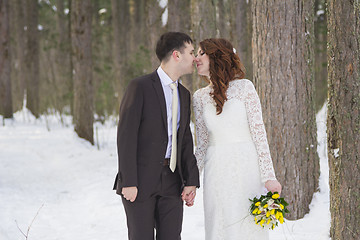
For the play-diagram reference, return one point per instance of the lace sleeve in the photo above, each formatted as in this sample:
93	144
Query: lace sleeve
201	131
258	133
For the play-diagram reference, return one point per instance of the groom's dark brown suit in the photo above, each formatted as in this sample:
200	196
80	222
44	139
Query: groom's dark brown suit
142	143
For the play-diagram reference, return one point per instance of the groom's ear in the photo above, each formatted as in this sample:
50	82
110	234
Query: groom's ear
175	55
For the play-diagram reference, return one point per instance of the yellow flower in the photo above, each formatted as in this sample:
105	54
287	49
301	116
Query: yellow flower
255	211
259	211
273	226
281	219
272	212
268	214
268	222
257	204
277	215
255	219
262	222
265	206
275	196
281	206
280	214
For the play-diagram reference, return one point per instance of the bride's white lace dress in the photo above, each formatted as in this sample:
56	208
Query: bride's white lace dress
233	152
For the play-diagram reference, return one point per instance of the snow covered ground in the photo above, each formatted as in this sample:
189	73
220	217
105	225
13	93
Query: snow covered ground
62	186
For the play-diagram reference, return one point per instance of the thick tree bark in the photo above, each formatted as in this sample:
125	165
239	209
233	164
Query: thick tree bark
32	58
283	74
81	18
344	117
5	61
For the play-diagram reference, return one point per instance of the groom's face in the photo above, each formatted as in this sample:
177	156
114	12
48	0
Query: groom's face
187	59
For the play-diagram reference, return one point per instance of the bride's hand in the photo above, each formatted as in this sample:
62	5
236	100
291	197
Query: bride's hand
273	186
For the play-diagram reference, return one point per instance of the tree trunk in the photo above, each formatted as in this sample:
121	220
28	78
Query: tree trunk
154	29
63	66
137	23
223	19
81	18
32	58
5	62
180	21
120	22
344	117
242	27
204	22
283	75
203	26
17	24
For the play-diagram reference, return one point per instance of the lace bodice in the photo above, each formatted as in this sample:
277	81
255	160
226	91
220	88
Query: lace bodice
241	120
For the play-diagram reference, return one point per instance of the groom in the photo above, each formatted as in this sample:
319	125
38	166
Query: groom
157	168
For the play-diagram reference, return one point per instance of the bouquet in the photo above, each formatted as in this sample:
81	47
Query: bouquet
269	209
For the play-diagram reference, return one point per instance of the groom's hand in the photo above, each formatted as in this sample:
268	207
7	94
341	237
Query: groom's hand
129	193
188	195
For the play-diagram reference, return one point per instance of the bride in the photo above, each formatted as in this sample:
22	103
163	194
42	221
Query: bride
232	148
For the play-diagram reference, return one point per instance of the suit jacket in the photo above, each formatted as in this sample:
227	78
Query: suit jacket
142	137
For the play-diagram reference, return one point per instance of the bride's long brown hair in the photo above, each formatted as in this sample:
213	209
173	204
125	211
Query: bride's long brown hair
225	66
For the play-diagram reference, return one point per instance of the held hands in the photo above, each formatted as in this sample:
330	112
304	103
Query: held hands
188	195
273	186
129	193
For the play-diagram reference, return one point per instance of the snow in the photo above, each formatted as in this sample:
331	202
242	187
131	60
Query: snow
164	17
64	185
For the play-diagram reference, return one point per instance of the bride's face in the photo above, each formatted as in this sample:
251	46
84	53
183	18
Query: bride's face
202	63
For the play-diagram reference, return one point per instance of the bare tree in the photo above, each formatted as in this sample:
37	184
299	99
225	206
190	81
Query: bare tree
81	18
224	19
32	58
137	29
63	58
344	117
5	61
154	28
203	26
241	25
120	21
283	74
17	24
181	23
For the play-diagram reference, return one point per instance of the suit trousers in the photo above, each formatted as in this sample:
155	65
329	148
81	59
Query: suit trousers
162	211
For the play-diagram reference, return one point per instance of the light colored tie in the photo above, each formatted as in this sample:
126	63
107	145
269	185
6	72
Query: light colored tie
174	126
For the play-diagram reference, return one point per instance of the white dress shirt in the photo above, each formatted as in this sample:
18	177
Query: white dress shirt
165	82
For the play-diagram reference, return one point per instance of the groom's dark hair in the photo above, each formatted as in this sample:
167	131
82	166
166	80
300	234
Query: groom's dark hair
169	42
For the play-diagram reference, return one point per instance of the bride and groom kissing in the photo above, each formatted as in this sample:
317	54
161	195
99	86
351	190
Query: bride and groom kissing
158	172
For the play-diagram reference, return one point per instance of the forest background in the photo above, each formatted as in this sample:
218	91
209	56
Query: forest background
76	58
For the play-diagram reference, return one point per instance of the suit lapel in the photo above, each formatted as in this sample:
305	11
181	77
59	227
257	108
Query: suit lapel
160	94
182	97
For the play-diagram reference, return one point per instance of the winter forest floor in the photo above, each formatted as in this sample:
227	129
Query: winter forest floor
48	173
